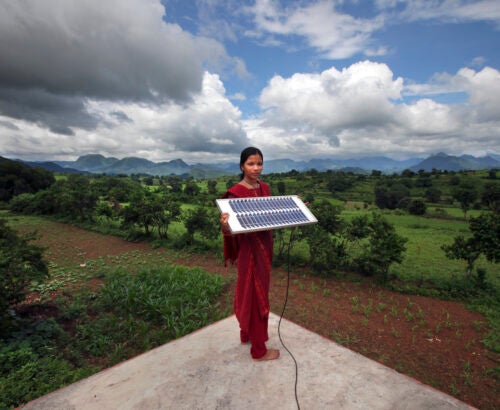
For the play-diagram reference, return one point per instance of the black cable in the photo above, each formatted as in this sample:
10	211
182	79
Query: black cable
281	317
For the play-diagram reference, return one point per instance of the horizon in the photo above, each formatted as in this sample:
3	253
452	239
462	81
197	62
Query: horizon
199	80
230	162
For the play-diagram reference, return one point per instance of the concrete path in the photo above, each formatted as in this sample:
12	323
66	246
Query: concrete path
210	369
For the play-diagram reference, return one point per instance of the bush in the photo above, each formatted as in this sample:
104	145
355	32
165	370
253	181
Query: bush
20	263
30	363
327	254
417	207
35	376
383	248
22	204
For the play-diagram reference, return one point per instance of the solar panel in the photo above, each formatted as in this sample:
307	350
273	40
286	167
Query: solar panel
264	213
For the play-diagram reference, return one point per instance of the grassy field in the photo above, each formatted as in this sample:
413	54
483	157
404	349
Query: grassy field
424	260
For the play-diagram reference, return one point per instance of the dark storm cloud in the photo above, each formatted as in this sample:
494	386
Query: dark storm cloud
105	50
58	113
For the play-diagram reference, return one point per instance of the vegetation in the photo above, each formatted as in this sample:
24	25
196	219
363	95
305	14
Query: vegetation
20	264
429	233
129	315
17	178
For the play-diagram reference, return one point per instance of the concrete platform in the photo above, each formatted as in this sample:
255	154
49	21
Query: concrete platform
210	369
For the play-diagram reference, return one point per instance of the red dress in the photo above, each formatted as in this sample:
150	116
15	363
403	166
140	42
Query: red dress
254	253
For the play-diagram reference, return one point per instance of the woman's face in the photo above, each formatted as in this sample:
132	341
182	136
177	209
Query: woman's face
252	168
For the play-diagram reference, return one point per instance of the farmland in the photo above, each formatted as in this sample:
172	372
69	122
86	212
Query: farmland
424	317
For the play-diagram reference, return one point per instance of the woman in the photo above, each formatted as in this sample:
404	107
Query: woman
254	253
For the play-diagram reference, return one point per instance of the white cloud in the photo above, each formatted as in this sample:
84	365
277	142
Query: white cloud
444	10
361	110
333	34
357	96
238	97
484	90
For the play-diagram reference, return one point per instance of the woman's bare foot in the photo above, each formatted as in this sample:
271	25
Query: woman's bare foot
271	354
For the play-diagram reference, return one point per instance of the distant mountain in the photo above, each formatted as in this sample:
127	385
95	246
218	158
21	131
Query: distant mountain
446	162
129	165
53	167
284	165
91	162
366	164
174	167
95	163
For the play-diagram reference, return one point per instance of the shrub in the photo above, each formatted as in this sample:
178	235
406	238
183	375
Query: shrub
417	207
383	248
20	263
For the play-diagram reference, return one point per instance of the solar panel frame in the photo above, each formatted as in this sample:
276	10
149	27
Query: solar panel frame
265	213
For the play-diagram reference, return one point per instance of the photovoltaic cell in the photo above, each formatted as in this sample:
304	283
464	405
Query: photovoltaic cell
264	213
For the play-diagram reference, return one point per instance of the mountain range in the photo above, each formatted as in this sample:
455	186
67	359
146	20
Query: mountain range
96	163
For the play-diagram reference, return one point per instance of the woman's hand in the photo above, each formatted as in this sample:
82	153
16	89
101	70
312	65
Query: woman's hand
224	222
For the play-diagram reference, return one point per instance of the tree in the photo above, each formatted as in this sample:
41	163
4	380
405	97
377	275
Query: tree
20	263
151	212
389	197
199	220
423	182
491	197
407	173
116	189
485	240
18	178
465	193
339	182
173	182
191	189
79	199
433	194
327	249
383	247
136	213
166	211
281	188
465	249
328	216
326	252
149	181
417	207
486	231
104	209
212	186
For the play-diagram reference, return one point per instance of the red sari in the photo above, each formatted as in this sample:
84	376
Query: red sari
254	253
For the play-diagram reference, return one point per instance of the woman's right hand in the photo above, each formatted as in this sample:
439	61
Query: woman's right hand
224	222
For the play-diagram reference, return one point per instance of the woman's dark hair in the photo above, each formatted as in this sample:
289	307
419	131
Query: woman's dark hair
246	153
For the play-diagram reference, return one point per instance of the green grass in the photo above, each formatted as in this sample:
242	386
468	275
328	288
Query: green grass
143	303
424	259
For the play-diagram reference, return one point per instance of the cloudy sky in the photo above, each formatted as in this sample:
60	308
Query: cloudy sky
202	79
